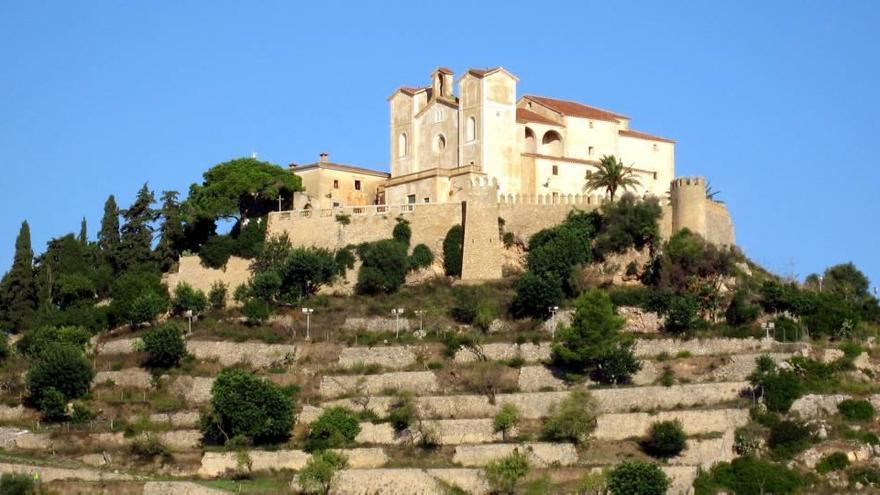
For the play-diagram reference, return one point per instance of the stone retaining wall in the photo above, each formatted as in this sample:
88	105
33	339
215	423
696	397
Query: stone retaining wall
442	432
814	405
408	481
629	425
194	389
530	353
376	324
217	463
541	455
50	474
419	382
183	419
130	378
16	413
698	347
392	357
538	379
117	346
707	452
255	354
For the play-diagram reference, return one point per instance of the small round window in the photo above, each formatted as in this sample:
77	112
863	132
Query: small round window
439	143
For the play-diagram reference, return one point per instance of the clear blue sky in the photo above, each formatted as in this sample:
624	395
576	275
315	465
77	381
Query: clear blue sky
777	102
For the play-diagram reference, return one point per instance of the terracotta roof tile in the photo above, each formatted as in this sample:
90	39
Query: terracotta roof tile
526	115
644	135
482	72
444	70
576	109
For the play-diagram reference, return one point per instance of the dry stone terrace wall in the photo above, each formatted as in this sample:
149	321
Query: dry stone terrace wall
117	346
442	431
707	452
191	271
698	347
541	455
409	481
194	389
420	382
376	324
530	353
620	426
50	474
130	378
217	463
394	357
256	354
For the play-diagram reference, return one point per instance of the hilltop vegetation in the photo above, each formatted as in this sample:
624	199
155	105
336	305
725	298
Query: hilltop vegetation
255	380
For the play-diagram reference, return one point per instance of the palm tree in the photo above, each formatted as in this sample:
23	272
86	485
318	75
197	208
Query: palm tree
611	176
712	194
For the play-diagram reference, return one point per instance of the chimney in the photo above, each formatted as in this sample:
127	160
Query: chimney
322	158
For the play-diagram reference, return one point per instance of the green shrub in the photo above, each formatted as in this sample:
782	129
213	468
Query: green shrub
216	251
17	484
402	411
474	305
741	311
866	475
245	405
504	474
665	439
834	461
535	294
249	238
149	447
53	406
421	257
402	232
856	410
749	476
637	478
81	413
305	270
627	223
345	259
453	342
508	239
452	251
681	313
593	344
317	476
256	311
217	295
335	428
571	419
779	388
789	438
62	367
138	296
188	299
383	267
265	286
506	418
164	346
787	330
33	342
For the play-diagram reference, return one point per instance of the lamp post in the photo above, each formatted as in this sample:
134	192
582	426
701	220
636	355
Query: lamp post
397	312
188	314
821	278
308	312
768	326
553	310
421	314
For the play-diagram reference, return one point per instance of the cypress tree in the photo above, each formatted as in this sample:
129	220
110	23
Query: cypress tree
171	231
83	233
136	234
18	289
108	237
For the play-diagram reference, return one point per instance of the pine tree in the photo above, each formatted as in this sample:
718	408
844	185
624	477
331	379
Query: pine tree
136	234
108	237
18	289
83	233
172	235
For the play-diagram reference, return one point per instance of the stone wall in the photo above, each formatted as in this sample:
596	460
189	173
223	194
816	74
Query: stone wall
256	354
415	381
393	357
541	455
530	353
698	347
376	324
218	463
191	271
621	426
407	481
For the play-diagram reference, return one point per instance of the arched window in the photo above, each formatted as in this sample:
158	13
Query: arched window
530	141
439	143
401	145
471	129
551	144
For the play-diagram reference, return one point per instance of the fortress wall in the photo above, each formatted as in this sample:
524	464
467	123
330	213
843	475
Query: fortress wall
524	216
719	225
190	270
429	223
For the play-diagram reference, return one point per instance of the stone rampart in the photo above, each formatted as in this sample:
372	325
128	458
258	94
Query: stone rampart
420	382
621	426
191	271
256	354
541	455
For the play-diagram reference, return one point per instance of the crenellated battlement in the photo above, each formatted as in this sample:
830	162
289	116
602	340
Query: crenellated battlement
549	199
682	182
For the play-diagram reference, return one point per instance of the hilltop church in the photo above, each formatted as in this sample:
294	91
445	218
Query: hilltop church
529	145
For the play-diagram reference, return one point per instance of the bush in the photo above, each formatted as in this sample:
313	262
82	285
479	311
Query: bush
681	314
344	260
741	311
33	342
53	406
474	305
249	238
188	299
265	286
504	474
62	367
138	296
16	484
779	388
245	405
867	476
305	270
335	428
787	330
402	232
571	419
788	438
637	478
421	257
665	439
402	411
749	476
256	311
559	249
506	418
508	239
217	295
317	476
383	267
81	413
627	223
452	251
164	346
535	294
834	461
216	251
592	344
856	410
